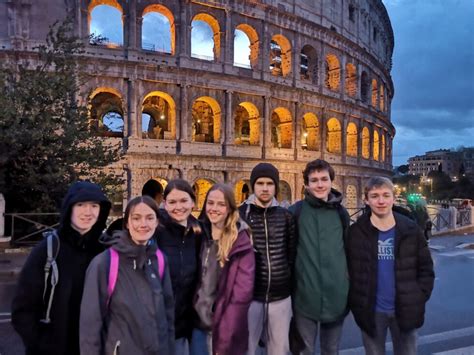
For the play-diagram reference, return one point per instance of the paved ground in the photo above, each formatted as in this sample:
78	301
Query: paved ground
448	329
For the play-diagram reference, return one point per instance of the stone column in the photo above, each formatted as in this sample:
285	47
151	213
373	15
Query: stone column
342	79
228	42
371	142
323	132
344	137
131	18
184	31
183	130
297	129
132	118
266	126
228	119
359	142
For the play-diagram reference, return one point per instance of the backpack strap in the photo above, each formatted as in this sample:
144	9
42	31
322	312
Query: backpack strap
114	266
50	268
113	273
161	263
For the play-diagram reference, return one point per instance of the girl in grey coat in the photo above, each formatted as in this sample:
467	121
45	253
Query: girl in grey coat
138	316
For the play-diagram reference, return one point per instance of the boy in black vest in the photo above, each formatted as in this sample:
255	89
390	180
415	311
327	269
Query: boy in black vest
273	236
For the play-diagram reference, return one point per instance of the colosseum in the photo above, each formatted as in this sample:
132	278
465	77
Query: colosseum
314	82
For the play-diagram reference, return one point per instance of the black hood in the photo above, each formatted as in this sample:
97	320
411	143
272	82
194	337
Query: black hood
83	191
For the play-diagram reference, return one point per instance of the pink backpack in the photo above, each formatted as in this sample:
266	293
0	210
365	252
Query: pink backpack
114	265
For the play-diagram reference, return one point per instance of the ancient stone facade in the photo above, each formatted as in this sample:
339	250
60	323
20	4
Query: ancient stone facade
316	85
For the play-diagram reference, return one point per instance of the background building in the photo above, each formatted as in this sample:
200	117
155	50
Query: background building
316	85
452	163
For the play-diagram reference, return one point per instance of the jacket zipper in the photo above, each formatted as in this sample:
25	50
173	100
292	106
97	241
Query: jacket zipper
268	256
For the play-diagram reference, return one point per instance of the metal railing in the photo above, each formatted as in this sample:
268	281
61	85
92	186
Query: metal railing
28	228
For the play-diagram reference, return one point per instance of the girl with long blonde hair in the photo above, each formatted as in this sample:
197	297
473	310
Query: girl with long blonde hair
226	280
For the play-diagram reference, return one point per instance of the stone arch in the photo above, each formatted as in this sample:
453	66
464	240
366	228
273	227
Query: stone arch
309	64
333	72
252	35
382	98
158	116
241	191
333	136
149	23
351	80
284	191
365	143
351	139
384	148
206	115
374	93
280	55
116	17
351	198
364	87
282	128
106	112
212	22
310	136
246	124
376	148
201	186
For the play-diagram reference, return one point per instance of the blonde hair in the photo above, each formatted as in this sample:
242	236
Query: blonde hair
230	231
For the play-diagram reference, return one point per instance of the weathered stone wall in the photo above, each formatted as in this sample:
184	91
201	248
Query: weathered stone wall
356	33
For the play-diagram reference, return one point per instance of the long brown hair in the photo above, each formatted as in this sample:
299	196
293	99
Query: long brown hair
230	231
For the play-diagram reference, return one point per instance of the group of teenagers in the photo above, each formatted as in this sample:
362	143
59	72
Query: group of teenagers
249	279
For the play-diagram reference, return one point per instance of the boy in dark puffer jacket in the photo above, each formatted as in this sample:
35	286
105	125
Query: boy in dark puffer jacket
391	273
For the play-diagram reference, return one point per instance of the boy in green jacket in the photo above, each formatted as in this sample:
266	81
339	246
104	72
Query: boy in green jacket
321	277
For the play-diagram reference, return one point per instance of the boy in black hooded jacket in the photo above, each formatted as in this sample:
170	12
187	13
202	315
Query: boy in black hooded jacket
83	218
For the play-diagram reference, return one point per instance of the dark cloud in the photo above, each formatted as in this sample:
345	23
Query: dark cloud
433	73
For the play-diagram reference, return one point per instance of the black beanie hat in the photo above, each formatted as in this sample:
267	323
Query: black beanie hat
265	170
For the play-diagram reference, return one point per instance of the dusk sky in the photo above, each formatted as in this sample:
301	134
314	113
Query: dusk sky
433	69
433	74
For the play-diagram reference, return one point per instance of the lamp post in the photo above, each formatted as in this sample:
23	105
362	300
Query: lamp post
431	187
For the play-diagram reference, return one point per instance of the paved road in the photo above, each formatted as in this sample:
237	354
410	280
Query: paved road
449	325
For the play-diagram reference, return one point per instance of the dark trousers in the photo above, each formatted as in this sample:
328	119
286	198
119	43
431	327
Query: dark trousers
404	343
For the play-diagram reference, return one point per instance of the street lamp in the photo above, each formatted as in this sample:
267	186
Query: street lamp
431	186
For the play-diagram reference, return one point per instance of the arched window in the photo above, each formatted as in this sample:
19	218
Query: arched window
241	191
158	29
105	23
374	93
106	112
364	87
333	73
284	192
309	64
280	56
246	124
159	116
281	127
310	136
376	145
351	140
205	37
245	46
351	80
206	115
201	187
333	137
365	143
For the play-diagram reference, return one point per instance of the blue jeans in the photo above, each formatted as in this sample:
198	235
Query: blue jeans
181	346
404	343
329	338
201	343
